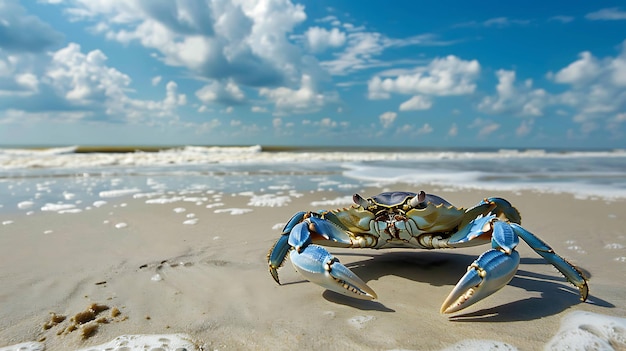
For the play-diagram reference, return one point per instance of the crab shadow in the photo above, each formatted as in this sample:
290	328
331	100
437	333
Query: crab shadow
445	269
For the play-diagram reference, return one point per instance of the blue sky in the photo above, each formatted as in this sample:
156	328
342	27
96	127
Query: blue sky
369	73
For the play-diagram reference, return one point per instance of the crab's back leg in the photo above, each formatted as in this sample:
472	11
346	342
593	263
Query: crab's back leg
504	208
495	205
571	273
278	252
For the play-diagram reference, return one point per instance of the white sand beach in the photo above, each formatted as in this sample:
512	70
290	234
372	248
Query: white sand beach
194	275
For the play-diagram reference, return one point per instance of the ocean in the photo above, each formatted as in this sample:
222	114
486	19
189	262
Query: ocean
68	178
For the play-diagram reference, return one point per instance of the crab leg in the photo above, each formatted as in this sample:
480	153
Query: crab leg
491	271
571	273
278	252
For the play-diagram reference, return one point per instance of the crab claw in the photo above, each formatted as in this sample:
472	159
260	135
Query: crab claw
488	274
320	267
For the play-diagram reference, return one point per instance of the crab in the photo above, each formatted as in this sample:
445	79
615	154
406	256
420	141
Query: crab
413	220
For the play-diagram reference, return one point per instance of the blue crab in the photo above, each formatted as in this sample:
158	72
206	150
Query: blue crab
413	220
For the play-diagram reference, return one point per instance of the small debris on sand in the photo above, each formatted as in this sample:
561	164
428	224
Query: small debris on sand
87	321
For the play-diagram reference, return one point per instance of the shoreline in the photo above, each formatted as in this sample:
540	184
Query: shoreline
206	276
87	148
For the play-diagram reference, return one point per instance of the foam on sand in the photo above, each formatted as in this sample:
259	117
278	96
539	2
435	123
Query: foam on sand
234	211
268	200
25	346
338	201
360	321
154	342
118	192
480	345
57	207
582	330
24	205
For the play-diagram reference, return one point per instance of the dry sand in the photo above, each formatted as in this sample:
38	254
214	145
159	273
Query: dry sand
209	280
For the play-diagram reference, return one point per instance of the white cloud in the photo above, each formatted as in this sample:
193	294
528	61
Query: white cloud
442	76
320	39
258	109
333	20
598	86
485	127
562	19
156	80
499	22
425	129
302	100
520	100
387	119
454	130
411	131
607	14
277	123
405	129
23	32
24	38
327	123
246	41
579	72
11	116
84	78
137	110
17	77
86	82
496	22
172	98
227	93
28	80
359	53
202	109
417	102
597	92
363	47
620	118
524	128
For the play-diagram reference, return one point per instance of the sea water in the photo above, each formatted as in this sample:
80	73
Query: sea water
67	181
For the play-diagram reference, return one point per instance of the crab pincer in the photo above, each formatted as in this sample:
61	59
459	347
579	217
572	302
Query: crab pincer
488	274
320	267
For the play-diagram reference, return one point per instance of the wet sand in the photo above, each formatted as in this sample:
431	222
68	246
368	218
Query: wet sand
202	272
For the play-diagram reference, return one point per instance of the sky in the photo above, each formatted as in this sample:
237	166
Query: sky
503	74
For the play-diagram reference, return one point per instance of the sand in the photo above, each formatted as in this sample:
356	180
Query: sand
195	273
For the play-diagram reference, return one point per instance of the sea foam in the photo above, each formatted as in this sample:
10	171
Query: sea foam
582	330
66	158
25	346
268	200
480	345
156	342
579	330
118	193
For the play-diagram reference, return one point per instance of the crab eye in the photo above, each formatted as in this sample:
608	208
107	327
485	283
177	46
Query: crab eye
418	200
359	200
